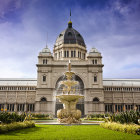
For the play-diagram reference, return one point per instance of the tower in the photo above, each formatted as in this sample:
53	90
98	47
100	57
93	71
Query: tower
70	45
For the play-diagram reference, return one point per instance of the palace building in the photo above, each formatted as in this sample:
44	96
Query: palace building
39	95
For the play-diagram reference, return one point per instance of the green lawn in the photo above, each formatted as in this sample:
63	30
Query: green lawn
75	132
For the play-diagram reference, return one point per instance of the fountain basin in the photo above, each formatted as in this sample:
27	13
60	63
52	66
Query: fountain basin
69	114
69	97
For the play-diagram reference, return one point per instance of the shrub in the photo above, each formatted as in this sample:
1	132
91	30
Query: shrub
96	116
125	117
16	126
127	128
41	117
6	117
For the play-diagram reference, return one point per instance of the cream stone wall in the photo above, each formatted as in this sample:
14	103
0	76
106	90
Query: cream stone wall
85	69
17	95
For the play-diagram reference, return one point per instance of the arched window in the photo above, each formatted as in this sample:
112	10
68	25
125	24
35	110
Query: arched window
95	61
69	34
78	35
43	99
78	88
44	61
60	35
44	78
95	99
95	78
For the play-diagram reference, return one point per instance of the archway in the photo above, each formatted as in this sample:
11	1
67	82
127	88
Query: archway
79	89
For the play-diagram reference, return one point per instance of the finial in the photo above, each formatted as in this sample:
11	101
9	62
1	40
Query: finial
47	40
70	23
70	14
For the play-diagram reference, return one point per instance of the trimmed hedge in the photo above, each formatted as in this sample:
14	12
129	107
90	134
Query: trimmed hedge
16	126
41	117
95	119
127	128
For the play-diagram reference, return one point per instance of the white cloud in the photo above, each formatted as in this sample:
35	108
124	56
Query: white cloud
117	38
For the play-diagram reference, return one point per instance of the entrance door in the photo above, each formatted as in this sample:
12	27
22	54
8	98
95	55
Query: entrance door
81	108
57	107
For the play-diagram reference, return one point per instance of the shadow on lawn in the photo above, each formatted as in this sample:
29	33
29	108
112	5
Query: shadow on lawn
22	131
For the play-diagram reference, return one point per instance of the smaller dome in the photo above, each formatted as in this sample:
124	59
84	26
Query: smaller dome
46	50
93	50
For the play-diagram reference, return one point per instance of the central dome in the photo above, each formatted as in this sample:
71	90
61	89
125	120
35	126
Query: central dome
70	36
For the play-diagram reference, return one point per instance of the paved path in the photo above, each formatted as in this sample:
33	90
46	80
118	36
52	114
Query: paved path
54	122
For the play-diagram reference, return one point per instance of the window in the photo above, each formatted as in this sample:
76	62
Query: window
118	108
95	61
43	61
59	54
64	53
78	35
30	107
1	107
108	108
55	55
84	56
95	99
67	53
44	78
60	35
78	54
43	99
95	78
20	107
10	107
71	53
74	55
69	34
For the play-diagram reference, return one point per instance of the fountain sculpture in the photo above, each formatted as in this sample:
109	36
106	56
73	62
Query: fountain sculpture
69	114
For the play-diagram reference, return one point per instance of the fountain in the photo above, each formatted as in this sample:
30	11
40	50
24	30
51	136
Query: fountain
69	114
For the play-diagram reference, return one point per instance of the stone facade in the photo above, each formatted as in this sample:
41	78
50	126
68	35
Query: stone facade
39	95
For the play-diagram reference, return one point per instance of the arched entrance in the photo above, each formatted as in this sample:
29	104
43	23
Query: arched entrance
78	89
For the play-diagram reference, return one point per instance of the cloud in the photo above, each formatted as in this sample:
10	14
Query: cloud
7	6
112	29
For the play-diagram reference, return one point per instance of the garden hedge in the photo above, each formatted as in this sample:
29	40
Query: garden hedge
127	128
16	126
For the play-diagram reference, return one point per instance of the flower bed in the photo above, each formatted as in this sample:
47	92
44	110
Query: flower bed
16	126
127	128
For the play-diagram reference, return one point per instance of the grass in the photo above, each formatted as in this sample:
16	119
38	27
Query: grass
74	132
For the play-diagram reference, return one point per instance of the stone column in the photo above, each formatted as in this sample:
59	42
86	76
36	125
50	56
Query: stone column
25	107
15	107
5	107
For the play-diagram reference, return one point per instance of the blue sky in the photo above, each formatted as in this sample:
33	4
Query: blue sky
111	26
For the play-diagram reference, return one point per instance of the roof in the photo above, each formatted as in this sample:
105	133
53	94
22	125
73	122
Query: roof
18	81
70	36
121	82
33	82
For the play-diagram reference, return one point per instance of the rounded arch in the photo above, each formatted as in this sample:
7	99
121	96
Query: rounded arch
79	88
43	99
96	99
